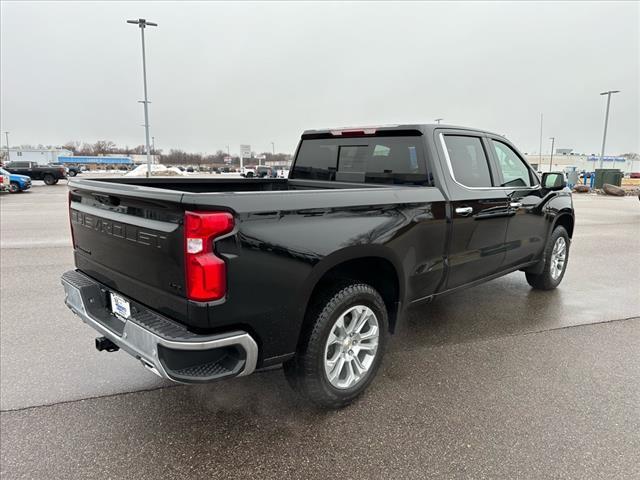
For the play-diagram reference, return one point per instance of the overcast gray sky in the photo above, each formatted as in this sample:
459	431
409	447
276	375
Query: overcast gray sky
231	73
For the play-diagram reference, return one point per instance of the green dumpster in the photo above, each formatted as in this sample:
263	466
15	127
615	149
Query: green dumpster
612	176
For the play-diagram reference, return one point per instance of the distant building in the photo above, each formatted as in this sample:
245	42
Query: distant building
581	162
277	163
41	156
94	162
564	151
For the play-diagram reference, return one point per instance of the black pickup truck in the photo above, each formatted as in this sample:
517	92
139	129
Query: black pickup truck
51	174
203	279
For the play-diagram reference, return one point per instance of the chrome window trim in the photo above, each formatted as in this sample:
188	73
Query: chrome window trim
450	167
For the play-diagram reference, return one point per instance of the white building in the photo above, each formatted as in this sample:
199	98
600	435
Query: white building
581	162
41	156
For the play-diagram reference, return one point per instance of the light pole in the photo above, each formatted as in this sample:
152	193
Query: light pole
273	148
153	145
606	121
553	141
438	120
142	23
540	149
6	136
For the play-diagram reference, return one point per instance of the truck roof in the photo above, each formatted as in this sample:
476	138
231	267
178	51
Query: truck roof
415	128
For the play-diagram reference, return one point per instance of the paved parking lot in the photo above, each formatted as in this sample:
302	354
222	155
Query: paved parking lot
498	381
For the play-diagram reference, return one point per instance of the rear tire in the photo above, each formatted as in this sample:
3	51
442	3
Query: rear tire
556	257
342	346
49	180
72	173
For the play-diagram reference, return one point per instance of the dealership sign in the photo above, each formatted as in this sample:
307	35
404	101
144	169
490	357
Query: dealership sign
245	151
593	158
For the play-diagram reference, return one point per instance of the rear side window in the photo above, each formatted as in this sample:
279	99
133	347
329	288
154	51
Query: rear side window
514	172
468	160
389	160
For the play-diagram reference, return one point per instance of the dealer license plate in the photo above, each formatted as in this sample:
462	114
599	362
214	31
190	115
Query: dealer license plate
120	306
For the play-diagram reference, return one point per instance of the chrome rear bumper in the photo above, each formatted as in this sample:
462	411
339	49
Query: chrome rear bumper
163	346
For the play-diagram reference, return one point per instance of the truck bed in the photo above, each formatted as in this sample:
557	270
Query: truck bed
129	234
213	185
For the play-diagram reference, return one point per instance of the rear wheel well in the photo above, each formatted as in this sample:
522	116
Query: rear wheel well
567	222
375	271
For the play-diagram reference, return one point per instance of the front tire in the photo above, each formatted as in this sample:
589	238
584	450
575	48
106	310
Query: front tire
556	257
14	187
341	347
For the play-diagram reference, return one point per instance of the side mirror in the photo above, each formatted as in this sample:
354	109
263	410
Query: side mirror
553	181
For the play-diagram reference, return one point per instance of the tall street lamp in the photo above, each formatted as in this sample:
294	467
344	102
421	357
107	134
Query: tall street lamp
6	135
540	147
606	121
142	23
438	120
553	141
273	148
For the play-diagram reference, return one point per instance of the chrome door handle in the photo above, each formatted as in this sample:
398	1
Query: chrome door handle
515	204
464	211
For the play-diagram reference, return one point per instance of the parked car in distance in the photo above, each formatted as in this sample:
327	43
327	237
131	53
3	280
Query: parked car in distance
263	171
248	172
282	171
203	279
17	183
50	174
4	181
73	170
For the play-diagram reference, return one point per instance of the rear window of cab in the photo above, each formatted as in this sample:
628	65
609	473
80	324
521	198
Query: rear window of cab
383	160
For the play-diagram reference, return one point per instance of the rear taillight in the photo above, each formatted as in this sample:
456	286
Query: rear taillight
206	274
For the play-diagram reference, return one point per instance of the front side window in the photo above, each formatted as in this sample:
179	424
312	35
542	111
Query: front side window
387	160
468	160
514	172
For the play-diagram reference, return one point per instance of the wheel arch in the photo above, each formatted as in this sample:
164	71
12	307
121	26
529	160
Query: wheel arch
566	220
371	264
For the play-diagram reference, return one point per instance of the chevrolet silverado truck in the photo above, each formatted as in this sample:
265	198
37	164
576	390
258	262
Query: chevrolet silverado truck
202	279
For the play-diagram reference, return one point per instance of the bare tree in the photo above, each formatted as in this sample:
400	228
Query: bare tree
102	147
73	146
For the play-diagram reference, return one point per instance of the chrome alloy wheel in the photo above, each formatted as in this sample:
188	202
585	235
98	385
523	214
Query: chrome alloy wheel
351	347
558	257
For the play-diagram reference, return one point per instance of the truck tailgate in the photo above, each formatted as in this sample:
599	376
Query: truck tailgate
131	243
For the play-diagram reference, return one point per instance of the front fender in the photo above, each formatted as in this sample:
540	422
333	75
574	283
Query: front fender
559	206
